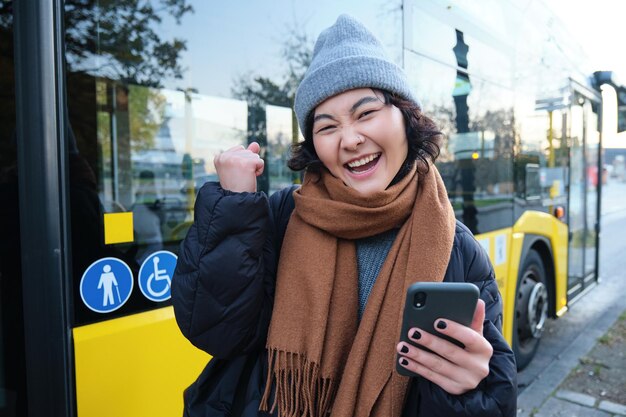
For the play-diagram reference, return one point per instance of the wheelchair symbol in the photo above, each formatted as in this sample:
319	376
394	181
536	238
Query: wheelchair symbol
155	275
158	275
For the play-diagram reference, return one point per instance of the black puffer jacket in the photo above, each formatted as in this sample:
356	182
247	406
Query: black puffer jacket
223	291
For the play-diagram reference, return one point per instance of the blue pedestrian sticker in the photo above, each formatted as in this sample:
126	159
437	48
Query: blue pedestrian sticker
155	275
106	285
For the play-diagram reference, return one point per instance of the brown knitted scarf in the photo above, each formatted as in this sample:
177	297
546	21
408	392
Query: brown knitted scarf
321	361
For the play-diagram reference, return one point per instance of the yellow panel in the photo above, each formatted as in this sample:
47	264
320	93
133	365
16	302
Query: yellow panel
498	244
544	224
134	366
118	228
517	242
507	261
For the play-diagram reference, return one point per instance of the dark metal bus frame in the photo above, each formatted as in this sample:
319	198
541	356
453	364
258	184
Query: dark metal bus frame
44	220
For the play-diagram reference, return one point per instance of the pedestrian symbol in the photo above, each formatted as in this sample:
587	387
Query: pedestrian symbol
106	285
155	275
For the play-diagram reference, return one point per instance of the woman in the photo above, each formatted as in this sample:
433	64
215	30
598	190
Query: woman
299	297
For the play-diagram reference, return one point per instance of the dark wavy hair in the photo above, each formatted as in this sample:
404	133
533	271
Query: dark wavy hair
422	134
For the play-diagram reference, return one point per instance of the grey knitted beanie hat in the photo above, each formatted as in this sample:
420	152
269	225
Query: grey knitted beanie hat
347	56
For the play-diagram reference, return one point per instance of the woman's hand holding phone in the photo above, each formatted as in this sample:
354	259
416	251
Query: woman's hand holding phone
454	368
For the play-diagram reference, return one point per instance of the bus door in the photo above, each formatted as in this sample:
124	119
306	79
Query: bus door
12	357
584	178
35	361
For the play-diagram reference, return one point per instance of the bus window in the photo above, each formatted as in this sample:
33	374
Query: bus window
147	121
532	183
474	109
593	176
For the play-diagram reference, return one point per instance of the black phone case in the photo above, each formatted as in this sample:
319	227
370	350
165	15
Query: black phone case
454	301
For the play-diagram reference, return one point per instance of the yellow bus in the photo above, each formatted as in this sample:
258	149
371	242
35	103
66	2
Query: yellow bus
111	113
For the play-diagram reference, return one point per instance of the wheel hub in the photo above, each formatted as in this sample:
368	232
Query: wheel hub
537	309
533	308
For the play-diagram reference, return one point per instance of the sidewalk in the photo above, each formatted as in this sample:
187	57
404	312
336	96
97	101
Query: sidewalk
589	378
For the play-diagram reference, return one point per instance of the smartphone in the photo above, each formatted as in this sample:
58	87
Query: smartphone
428	301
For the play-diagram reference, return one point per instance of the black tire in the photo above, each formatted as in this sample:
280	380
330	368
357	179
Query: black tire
531	308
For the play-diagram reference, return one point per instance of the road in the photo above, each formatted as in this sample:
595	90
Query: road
608	298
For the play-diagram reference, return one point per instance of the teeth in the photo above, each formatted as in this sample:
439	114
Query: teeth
363	161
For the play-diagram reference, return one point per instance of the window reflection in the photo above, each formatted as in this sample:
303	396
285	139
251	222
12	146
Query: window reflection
476	117
156	91
280	135
171	138
503	108
592	139
577	195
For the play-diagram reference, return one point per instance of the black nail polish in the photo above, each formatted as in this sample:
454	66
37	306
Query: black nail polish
416	335
404	362
404	349
441	324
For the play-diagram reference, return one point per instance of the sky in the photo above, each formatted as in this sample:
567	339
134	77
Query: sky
249	39
597	26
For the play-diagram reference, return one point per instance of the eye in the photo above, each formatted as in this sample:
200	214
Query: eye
366	113
324	128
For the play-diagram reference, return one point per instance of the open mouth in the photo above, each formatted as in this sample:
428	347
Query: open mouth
364	164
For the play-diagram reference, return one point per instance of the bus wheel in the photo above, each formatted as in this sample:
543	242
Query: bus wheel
531	309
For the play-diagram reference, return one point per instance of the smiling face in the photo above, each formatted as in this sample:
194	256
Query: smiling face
360	139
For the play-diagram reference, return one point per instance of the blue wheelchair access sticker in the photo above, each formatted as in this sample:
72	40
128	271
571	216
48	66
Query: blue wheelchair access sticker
106	285
155	275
